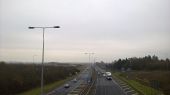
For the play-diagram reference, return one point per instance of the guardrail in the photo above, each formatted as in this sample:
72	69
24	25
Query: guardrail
84	88
87	93
80	90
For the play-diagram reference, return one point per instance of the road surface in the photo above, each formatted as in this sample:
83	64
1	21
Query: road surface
83	77
107	87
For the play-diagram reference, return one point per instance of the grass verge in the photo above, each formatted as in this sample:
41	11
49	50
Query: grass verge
142	89
47	88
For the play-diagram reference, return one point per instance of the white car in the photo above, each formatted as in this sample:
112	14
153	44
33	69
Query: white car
66	85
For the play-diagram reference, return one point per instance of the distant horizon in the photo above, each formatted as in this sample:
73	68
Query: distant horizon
69	62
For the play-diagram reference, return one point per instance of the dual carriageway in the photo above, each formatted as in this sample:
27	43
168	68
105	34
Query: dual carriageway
98	86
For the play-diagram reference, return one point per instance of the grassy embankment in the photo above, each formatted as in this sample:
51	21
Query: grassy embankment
47	88
142	89
18	78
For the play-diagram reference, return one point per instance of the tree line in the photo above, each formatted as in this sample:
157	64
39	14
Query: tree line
141	63
17	78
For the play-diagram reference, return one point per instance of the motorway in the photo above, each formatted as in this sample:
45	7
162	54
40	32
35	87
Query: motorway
82	77
103	86
106	87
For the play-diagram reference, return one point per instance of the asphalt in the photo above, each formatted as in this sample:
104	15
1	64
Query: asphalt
82	77
107	87
103	86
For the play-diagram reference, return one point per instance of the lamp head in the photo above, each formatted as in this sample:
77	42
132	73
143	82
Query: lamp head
31	27
56	27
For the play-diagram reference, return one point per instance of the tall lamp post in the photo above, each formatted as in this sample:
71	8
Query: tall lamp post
42	66
33	58
90	53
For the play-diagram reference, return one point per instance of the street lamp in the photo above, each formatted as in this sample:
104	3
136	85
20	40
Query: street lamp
90	53
33	58
42	67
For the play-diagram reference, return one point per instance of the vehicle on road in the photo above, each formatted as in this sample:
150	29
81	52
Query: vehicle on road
109	78
66	85
108	75
104	75
75	80
98	73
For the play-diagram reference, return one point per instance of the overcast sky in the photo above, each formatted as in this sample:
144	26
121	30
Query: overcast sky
110	28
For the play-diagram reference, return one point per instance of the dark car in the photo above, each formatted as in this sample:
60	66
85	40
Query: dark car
109	78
